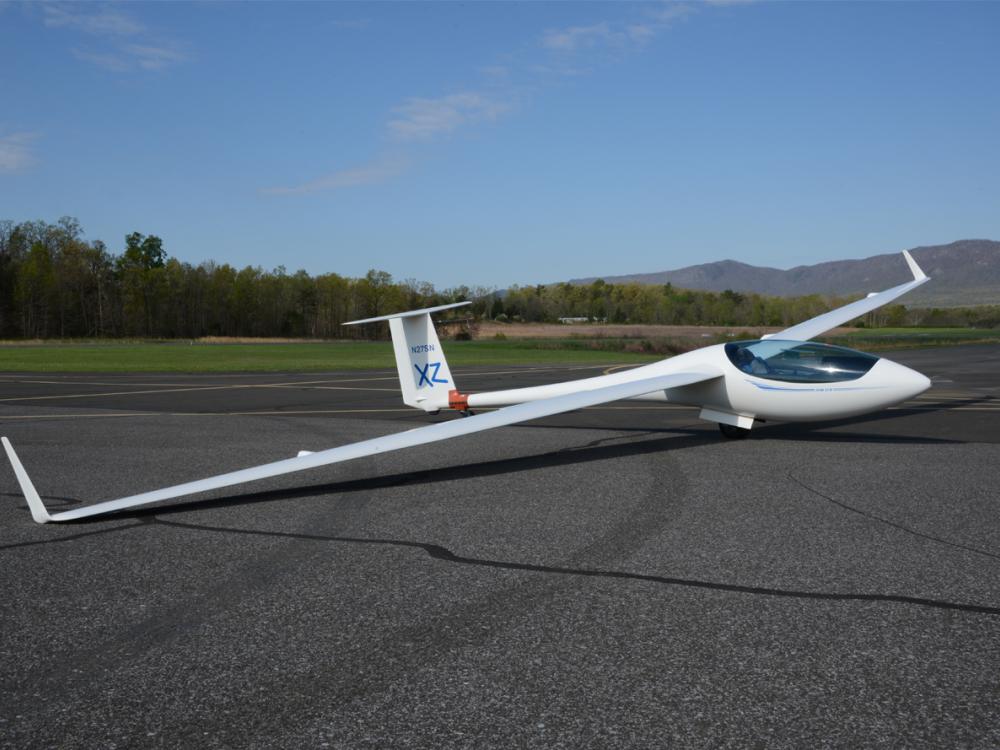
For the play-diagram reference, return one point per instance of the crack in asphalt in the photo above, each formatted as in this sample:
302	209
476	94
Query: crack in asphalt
438	552
893	524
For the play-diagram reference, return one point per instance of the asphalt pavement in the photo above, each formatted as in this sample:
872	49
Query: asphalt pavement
616	577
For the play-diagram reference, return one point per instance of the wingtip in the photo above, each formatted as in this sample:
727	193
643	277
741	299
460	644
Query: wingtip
917	272
35	504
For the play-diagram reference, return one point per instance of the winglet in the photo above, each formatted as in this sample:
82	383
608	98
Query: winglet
38	511
914	268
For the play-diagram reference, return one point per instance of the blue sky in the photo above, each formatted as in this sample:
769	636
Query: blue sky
499	143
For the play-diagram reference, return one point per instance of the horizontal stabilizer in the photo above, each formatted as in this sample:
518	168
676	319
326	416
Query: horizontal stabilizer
408	313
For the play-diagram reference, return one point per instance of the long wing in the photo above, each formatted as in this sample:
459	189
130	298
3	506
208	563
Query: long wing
823	323
410	438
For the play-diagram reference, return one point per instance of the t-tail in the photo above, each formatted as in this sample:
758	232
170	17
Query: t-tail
424	375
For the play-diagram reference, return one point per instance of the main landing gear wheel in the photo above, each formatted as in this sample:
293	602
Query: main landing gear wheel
732	432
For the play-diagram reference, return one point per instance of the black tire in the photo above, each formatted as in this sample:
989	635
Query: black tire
732	432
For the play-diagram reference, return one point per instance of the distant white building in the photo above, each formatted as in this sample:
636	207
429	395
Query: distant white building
574	320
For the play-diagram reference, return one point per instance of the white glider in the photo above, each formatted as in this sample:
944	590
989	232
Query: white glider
782	377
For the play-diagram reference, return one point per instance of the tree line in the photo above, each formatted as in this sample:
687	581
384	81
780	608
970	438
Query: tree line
667	305
661	304
56	284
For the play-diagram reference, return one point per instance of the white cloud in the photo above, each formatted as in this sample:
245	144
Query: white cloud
373	173
105	60
420	119
123	41
416	119
15	151
132	56
149	57
103	22
671	12
619	35
577	37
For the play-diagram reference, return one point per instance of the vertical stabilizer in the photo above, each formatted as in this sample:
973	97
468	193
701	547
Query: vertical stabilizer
424	375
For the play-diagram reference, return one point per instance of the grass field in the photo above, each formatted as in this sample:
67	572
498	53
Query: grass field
299	357
900	338
347	355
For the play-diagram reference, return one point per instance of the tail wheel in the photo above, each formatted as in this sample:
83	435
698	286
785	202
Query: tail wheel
733	432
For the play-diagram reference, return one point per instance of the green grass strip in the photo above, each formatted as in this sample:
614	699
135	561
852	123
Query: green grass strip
320	356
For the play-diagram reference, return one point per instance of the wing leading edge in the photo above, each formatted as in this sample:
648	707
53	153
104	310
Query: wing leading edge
418	436
823	323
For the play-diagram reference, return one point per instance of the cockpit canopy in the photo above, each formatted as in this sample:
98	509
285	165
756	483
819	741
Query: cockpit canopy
799	361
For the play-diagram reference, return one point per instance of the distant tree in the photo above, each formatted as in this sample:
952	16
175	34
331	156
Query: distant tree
36	291
140	270
8	279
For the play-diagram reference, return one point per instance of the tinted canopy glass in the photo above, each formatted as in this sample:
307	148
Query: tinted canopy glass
798	361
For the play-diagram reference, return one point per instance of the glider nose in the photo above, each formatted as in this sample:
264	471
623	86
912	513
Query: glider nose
910	383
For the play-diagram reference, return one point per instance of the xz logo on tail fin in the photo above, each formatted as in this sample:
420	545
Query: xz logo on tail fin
431	379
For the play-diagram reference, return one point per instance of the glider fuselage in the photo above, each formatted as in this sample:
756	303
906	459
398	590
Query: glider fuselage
799	382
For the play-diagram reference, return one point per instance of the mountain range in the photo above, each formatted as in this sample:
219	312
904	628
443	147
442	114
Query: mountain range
966	272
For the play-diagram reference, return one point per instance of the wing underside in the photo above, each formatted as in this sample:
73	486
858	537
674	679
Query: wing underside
418	436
